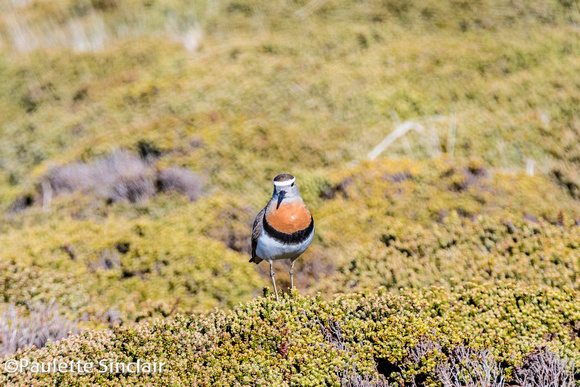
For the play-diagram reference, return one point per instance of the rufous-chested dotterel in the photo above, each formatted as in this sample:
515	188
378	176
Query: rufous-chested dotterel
284	228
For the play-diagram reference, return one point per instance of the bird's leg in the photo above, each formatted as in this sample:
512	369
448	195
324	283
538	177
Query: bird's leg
273	281
292	274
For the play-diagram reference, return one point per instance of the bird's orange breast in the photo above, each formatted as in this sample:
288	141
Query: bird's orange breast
289	217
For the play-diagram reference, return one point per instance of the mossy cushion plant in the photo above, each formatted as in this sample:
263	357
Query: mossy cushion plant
171	254
309	341
210	100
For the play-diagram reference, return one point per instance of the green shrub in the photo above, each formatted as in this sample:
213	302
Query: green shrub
411	337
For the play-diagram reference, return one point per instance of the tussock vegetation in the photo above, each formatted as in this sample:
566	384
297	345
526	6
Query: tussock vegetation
138	140
42	323
544	368
117	177
179	180
122	176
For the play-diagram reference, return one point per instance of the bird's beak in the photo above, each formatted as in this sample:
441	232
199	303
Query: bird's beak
280	198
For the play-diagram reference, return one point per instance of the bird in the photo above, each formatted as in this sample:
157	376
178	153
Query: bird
283	229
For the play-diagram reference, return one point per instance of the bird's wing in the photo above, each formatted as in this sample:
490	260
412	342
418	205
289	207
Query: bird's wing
256	231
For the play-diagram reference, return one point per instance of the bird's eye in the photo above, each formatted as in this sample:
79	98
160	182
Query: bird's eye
292	185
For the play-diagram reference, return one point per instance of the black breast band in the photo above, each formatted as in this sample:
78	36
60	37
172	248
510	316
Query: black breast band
289	239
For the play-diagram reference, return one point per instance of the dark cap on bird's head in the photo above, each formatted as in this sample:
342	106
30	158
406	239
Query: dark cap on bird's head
283	177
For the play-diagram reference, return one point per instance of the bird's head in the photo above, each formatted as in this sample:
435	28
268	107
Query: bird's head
285	189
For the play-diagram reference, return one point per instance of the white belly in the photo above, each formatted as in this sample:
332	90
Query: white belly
269	249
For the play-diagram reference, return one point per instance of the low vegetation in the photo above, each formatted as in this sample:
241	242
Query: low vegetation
138	140
481	335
